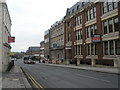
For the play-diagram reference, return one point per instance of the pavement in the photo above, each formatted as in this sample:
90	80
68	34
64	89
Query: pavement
105	69
15	79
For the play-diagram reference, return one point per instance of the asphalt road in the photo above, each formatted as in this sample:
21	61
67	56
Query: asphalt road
61	77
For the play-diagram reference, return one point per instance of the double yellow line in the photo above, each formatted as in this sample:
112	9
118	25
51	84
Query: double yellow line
34	82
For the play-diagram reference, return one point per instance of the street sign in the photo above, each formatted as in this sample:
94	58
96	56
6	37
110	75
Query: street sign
11	53
11	39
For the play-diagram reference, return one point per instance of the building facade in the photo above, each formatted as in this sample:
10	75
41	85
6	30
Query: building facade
94	20
42	44
5	32
33	50
57	42
47	45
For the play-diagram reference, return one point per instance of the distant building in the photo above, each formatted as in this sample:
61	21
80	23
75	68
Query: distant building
5	32
33	50
42	44
47	44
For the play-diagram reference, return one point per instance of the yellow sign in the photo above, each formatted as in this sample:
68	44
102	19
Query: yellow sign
11	53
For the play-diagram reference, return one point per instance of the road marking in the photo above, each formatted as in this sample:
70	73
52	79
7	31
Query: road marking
93	78
36	84
31	80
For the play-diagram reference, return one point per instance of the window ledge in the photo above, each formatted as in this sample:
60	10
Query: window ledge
110	36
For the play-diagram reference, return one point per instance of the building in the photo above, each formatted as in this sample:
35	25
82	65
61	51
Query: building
42	44
92	33
57	42
47	44
34	50
5	32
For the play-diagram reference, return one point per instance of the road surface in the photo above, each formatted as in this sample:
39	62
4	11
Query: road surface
61	77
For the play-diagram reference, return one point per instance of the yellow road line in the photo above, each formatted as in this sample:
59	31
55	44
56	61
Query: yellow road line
36	84
31	80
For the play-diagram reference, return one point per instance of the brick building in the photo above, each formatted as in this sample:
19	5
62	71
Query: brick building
84	21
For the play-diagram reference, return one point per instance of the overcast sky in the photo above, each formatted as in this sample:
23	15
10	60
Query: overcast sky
30	18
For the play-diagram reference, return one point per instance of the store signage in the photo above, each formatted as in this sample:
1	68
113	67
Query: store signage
96	38
11	39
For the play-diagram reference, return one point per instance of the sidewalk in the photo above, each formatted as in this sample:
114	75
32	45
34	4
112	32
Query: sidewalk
88	67
15	79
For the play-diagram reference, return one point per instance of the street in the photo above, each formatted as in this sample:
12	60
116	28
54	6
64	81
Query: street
61	77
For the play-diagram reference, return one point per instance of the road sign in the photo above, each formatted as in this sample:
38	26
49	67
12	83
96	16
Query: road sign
11	39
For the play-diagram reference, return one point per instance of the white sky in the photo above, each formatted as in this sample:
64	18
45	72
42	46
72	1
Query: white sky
30	18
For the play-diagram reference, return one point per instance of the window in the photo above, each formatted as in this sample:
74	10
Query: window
81	34
117	47
111	48
96	51
95	29
78	49
91	29
88	49
109	6
94	14
72	10
76	35
88	32
116	24
92	49
104	7
91	13
115	5
105	27
81	50
88	15
80	19
83	3
110	25
78	7
106	48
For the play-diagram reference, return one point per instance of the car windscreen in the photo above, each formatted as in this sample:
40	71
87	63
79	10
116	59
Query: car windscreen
26	58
